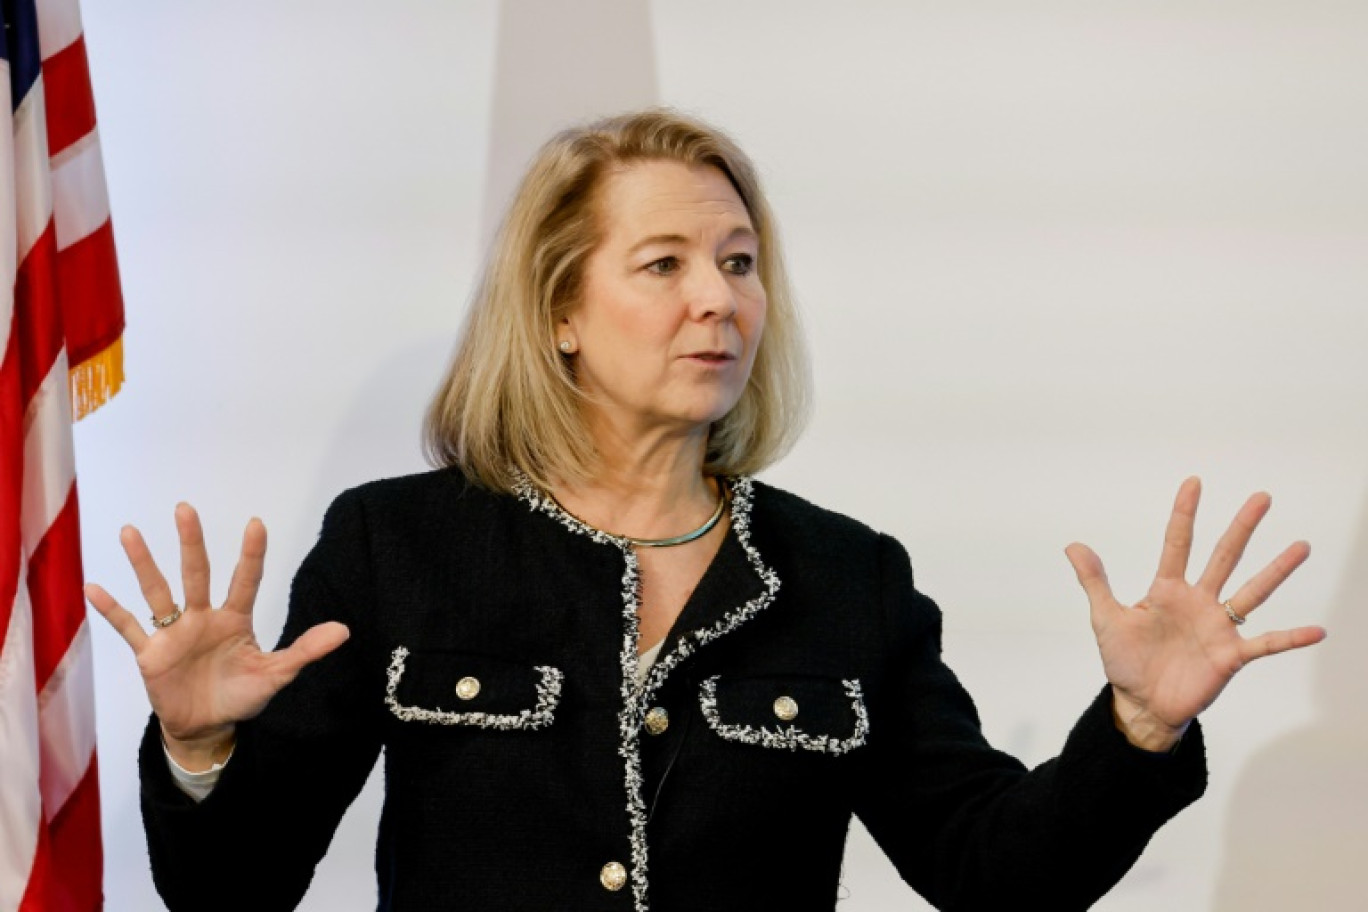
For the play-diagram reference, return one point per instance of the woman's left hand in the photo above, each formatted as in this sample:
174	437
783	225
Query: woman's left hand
1173	652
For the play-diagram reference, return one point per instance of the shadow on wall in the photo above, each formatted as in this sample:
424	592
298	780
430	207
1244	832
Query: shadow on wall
556	65
1297	834
378	436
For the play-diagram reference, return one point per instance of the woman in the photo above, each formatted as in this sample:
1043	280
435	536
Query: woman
609	670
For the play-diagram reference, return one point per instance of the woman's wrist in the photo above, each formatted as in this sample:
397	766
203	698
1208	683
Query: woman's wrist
199	754
1141	728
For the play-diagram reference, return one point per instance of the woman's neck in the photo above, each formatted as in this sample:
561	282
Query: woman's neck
649	487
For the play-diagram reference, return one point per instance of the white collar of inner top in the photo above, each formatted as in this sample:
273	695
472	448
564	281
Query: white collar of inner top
646	660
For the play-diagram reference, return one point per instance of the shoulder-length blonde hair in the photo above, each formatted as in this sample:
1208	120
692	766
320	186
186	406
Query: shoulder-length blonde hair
509	402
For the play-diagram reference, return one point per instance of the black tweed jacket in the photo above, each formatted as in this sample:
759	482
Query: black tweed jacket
493	659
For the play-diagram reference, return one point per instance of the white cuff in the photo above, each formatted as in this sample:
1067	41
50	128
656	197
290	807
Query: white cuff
196	785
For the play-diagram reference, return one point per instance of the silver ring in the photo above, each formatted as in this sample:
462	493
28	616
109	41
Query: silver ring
1230	613
169	619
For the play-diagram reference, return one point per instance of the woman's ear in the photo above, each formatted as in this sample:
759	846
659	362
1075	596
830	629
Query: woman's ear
565	337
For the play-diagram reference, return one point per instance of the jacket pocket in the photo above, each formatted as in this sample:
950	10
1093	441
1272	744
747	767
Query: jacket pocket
456	688
789	713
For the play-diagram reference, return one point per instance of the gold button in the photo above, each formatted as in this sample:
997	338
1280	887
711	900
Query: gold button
657	720
468	688
613	876
786	708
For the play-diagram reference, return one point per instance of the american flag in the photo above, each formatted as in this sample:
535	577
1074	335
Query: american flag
61	322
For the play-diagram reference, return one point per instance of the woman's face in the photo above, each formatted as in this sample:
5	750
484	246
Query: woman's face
672	308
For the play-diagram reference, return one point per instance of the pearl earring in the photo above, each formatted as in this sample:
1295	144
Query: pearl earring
565	346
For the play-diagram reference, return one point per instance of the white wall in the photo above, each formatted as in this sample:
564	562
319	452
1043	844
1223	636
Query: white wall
1053	257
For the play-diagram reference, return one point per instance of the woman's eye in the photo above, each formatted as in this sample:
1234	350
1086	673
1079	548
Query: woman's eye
741	264
663	266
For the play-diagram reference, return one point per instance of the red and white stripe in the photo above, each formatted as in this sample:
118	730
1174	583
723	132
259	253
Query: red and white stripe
54	205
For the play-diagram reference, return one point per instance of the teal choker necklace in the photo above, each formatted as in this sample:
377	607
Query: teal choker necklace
673	540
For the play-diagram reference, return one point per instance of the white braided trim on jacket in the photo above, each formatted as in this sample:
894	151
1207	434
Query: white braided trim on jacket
787	737
539	716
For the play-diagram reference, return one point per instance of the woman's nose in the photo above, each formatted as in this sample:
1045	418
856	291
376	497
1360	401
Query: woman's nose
711	294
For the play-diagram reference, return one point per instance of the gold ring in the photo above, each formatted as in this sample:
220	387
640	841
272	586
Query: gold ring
169	619
1230	613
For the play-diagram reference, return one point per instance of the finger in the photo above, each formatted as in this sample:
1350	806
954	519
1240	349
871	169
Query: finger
194	558
1279	641
1091	575
1231	547
1255	592
123	622
1173	560
312	645
150	579
242	591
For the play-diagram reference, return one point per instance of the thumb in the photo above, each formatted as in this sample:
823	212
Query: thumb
1091	576
312	645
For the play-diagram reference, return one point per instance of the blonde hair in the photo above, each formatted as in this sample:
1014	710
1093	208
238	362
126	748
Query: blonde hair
509	402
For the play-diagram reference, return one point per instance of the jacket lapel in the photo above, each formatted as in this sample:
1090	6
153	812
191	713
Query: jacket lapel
736	587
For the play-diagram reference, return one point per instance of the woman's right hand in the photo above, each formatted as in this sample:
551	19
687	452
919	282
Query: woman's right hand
204	672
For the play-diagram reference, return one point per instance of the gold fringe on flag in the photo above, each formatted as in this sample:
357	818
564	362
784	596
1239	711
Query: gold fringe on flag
95	380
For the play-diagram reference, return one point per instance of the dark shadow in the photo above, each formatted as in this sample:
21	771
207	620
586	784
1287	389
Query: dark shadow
555	64
558	64
378	436
1297	828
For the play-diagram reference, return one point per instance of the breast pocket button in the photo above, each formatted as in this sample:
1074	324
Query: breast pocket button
468	688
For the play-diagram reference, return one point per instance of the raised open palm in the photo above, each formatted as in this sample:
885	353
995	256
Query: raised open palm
1171	654
203	669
